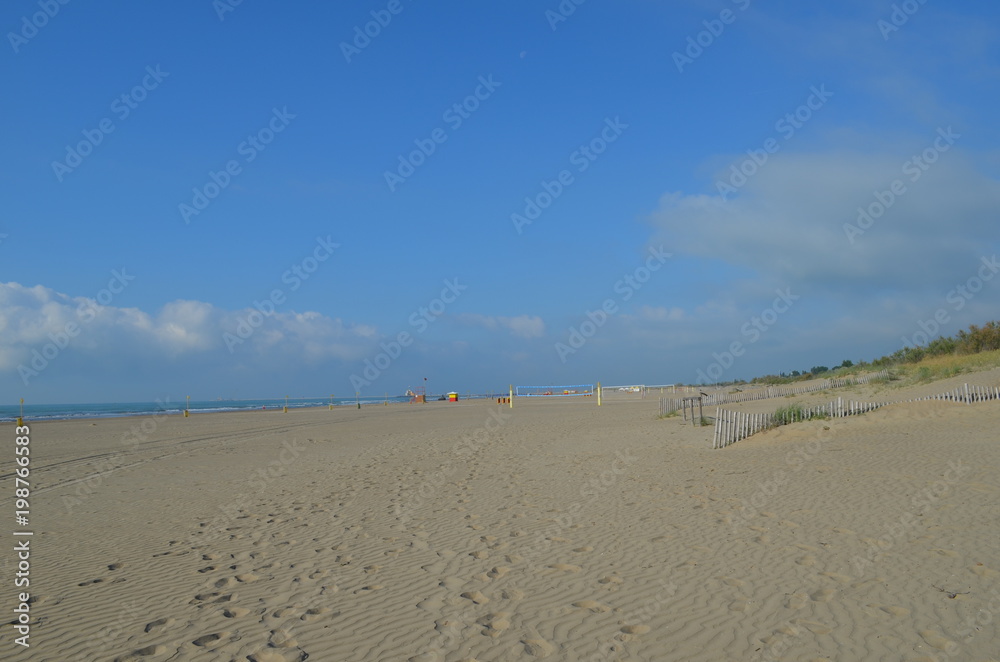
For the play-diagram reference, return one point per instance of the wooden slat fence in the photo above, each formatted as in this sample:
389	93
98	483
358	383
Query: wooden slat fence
668	405
732	426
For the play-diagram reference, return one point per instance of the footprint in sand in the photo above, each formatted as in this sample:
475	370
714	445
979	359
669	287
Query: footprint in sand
796	601
159	624
495	624
235	612
635	629
208	640
116	566
822	595
476	597
137	655
452	583
315	613
593	606
537	647
281	639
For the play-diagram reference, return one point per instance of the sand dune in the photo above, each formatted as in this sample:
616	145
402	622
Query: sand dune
556	530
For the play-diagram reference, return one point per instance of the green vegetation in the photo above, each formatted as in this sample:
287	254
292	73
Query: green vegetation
795	412
975	349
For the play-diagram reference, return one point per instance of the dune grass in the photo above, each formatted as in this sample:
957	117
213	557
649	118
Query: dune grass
941	367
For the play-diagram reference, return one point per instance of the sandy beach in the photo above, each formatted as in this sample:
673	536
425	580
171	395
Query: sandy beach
556	529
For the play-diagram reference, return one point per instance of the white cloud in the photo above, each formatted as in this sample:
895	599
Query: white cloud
32	317
522	326
661	313
787	223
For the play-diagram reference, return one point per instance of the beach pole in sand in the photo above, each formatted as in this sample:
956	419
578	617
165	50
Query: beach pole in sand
20	419
285	410
510	397
187	407
598	394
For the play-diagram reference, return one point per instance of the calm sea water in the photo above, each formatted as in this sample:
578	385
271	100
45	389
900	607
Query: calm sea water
116	409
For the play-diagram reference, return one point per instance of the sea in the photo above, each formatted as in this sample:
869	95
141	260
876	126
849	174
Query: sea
36	412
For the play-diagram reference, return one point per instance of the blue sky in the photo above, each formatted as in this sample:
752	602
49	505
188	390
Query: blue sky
528	192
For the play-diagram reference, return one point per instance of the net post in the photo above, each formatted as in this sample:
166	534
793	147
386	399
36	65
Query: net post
511	398
598	394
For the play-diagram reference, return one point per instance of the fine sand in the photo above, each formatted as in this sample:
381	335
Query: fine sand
471	531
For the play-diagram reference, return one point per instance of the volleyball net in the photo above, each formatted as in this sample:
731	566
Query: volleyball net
554	391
